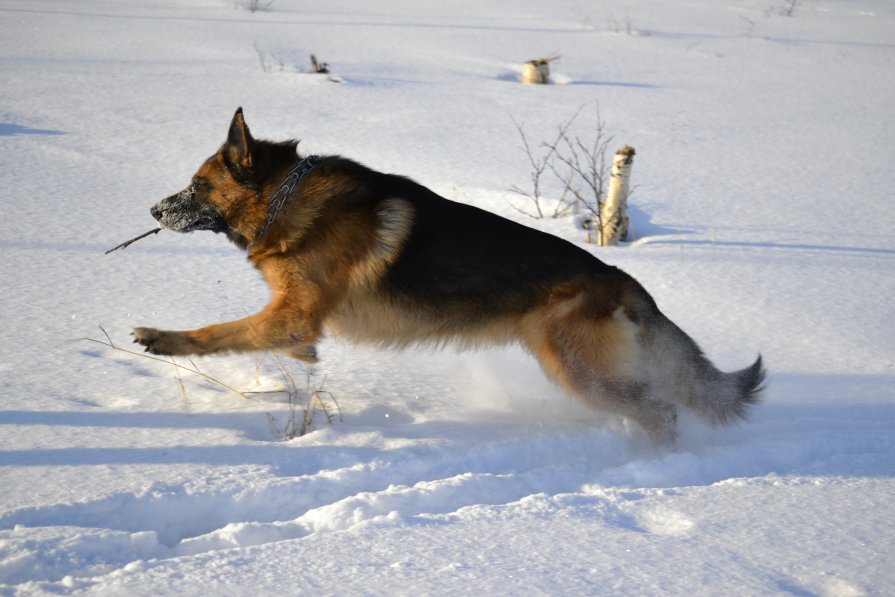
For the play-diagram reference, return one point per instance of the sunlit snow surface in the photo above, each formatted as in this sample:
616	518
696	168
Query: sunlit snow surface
763	221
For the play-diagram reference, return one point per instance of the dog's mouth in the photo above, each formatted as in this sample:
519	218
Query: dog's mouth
184	213
214	223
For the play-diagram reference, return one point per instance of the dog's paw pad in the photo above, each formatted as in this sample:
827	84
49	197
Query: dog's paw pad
151	339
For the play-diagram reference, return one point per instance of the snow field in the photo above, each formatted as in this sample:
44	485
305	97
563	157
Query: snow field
763	223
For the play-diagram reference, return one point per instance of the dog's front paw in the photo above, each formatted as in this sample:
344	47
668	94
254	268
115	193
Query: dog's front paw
162	343
306	353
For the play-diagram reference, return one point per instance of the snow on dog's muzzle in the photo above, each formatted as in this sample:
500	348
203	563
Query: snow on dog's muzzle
183	212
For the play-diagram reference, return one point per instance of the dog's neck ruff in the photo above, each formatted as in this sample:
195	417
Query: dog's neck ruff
284	191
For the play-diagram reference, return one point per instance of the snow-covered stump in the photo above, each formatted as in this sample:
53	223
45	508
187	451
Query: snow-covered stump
318	67
536	72
614	211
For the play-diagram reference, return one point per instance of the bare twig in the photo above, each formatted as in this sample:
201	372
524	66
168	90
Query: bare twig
125	244
318	396
539	164
291	430
332	397
586	163
579	164
583	172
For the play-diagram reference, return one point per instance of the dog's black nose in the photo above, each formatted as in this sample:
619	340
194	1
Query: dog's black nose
155	211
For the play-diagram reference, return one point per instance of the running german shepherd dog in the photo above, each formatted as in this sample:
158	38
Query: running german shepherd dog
379	258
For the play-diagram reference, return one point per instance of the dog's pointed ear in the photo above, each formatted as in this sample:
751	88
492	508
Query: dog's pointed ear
240	144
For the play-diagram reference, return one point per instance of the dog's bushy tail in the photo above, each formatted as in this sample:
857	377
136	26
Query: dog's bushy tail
718	397
736	392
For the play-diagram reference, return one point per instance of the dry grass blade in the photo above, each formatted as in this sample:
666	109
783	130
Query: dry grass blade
293	427
195	369
180	388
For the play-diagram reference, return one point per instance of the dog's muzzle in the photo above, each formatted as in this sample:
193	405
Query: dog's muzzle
183	212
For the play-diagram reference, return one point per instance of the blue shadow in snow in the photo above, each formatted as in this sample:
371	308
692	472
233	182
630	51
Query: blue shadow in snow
775	245
642	226
7	129
615	84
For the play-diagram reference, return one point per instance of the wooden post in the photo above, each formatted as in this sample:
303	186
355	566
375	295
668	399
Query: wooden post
536	72
318	68
614	211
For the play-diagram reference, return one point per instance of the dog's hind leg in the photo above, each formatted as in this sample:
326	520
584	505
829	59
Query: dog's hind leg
597	359
657	417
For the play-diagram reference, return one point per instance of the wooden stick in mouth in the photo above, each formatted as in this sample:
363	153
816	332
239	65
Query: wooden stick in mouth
135	239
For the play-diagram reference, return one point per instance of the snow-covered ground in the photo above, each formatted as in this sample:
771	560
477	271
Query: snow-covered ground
763	213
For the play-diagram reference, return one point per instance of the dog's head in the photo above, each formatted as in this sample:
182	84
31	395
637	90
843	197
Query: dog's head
225	194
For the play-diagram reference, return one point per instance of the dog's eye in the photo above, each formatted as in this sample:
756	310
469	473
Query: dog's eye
200	184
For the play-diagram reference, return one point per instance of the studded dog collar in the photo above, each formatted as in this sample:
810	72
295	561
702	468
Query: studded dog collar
284	191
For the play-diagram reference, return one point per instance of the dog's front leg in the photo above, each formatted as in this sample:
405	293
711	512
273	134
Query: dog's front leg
306	353
275	327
